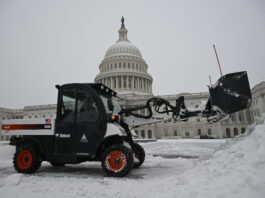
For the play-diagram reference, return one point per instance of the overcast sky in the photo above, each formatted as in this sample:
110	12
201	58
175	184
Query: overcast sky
43	43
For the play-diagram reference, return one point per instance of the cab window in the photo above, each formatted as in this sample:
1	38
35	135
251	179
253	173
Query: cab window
68	105
87	110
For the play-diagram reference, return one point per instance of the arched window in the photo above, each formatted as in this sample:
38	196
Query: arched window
149	134
36	116
142	134
243	130
228	133
235	131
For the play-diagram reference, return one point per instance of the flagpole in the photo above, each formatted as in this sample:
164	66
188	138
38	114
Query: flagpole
218	60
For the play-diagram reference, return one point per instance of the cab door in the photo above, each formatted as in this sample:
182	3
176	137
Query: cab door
91	122
81	121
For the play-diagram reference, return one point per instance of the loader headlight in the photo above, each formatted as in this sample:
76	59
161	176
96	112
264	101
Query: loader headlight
113	118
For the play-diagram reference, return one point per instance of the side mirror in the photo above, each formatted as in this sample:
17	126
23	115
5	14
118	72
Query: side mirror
110	104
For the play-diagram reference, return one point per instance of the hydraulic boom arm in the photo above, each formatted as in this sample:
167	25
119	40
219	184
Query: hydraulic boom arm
230	94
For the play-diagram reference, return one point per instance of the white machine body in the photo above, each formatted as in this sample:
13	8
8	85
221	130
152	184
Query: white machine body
45	127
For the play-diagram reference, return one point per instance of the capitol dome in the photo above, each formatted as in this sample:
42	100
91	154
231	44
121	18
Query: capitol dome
123	48
124	69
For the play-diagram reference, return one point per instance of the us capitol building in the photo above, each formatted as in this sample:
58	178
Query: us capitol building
124	70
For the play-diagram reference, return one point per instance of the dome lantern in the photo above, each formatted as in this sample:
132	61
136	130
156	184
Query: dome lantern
123	32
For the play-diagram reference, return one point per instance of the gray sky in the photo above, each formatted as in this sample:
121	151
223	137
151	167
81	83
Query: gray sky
43	43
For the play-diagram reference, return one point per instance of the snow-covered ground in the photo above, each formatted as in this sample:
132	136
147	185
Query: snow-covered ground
218	168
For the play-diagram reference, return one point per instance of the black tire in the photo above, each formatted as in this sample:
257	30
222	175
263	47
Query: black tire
117	160
26	159
56	164
139	154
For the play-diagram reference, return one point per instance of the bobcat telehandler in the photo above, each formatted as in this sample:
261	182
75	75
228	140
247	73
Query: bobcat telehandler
91	126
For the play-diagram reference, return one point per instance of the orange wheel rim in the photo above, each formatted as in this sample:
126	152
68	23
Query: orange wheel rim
115	161
24	159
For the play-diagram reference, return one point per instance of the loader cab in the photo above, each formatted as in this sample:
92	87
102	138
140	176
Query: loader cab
81	122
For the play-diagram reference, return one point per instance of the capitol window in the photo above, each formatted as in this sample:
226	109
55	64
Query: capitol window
235	131
149	134
120	65
142	134
199	132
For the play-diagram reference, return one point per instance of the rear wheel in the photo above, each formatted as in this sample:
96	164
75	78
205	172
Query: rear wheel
26	160
139	154
117	160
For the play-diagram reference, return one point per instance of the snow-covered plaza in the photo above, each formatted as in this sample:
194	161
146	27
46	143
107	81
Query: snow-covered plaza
173	168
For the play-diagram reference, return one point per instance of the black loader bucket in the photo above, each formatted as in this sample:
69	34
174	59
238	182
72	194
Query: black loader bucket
231	93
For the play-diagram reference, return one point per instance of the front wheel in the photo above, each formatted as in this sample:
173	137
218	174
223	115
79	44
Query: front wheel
26	159
117	160
139	155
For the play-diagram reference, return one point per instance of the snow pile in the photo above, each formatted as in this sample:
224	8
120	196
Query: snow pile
236	171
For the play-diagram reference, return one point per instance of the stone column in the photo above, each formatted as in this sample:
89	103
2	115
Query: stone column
127	79
122	82
133	82
117	82
138	83
245	116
